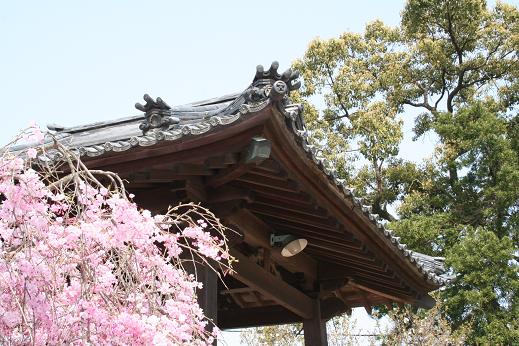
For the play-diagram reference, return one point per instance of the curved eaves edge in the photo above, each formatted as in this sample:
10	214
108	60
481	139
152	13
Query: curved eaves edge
291	113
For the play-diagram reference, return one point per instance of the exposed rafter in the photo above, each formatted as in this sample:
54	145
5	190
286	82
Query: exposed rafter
257	233
272	287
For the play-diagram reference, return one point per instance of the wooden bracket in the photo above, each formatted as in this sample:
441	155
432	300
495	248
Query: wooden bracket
271	286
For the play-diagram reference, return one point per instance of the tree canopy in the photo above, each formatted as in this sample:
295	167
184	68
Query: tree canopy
452	67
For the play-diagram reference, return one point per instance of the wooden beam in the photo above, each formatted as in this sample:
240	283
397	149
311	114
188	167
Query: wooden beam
377	292
315	328
227	175
190	169
288	186
275	193
158	199
271	286
333	272
326	288
266	259
334	235
299	203
257	233
238	300
175	172
237	290
292	207
345	255
223	161
271	166
371	282
255	317
256	171
370	275
208	294
195	190
224	209
295	217
257	151
339	250
229	193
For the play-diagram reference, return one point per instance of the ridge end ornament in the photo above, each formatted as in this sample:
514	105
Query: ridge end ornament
157	114
271	84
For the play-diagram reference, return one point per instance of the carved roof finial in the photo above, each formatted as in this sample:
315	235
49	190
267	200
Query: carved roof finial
157	114
272	84
289	77
152	104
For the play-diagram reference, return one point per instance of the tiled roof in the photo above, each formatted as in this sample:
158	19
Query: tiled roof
198	118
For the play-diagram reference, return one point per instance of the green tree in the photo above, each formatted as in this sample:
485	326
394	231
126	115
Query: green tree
456	61
351	73
421	328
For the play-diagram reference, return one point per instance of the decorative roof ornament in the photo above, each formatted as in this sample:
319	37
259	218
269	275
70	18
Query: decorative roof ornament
157	114
271	84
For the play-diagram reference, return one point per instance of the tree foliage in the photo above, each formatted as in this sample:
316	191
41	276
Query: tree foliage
455	63
428	329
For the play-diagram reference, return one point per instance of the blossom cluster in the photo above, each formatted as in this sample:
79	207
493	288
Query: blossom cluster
81	264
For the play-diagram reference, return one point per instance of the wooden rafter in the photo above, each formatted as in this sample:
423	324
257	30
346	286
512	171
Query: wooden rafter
227	175
295	160
293	217
257	233
293	207
274	193
377	292
281	185
229	193
271	286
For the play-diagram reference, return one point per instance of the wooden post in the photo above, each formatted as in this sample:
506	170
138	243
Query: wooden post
207	296
315	328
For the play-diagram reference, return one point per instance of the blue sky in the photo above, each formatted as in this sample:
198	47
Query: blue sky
72	62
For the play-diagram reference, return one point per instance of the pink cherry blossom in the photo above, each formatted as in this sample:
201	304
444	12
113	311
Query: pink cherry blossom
32	153
81	265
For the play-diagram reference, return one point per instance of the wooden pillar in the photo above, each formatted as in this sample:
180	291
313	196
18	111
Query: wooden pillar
207	296
315	328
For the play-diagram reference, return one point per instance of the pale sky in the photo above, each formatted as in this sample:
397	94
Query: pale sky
74	62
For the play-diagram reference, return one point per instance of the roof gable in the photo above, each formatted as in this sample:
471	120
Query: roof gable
269	92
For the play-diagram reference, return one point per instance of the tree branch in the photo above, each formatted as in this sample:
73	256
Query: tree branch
332	83
419	105
444	89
